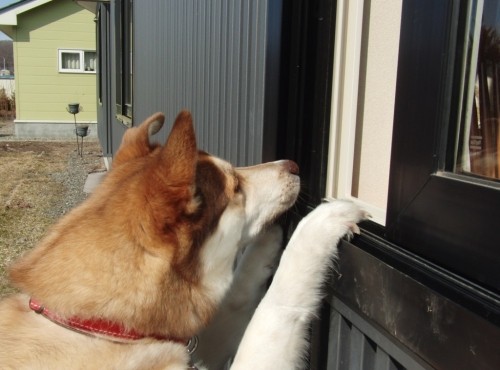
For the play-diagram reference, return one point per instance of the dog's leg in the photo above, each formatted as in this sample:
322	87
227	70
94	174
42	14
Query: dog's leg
276	335
219	341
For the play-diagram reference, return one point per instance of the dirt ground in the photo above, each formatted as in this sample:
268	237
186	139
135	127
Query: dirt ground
39	182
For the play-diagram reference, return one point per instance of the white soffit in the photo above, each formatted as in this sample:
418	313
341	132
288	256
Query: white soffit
9	17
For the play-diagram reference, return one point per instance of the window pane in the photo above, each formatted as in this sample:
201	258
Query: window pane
118	53
90	60
124	54
127	58
70	60
479	148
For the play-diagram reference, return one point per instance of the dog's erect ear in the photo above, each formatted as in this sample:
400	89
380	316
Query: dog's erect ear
180	153
135	142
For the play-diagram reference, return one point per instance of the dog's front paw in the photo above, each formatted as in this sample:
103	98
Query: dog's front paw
261	257
345	212
308	255
331	221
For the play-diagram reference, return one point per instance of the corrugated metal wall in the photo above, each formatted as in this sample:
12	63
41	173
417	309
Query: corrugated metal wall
208	57
354	344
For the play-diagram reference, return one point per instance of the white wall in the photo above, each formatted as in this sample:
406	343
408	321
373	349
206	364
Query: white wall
363	94
376	102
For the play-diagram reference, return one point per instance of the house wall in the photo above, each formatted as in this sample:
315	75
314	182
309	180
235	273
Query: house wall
42	92
213	59
371	322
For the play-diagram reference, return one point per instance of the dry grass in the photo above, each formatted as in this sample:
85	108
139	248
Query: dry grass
34	192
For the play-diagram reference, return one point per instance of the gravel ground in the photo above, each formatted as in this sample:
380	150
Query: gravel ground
40	182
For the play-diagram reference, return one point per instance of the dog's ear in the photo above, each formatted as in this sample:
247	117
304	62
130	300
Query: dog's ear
180	154
135	142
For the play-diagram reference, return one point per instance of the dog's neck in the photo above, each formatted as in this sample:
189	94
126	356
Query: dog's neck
101	328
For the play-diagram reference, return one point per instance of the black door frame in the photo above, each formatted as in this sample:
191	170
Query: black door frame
308	34
305	98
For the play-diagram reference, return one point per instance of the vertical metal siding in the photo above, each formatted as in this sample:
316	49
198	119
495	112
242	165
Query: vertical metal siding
208	57
356	345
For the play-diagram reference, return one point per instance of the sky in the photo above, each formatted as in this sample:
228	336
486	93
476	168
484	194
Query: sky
4	3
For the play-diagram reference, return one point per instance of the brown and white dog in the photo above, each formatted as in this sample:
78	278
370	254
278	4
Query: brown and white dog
126	279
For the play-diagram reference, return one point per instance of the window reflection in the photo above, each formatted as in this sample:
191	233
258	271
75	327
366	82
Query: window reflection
479	153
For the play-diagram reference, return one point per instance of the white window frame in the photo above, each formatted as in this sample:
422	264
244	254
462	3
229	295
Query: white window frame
81	54
344	107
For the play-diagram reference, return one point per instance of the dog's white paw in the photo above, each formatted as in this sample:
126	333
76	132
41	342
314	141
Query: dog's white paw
254	268
331	221
261	257
265	250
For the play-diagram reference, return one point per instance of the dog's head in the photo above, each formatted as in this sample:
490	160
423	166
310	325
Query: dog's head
154	246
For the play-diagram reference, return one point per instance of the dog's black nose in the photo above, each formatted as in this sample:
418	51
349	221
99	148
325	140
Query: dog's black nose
292	167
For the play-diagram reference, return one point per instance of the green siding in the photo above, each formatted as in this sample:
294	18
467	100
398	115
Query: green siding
42	92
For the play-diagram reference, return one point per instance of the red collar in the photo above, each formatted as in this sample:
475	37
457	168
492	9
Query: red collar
98	327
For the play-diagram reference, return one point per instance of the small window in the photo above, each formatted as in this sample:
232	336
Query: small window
124	57
77	61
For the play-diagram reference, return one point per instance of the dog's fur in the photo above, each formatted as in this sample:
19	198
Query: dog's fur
153	250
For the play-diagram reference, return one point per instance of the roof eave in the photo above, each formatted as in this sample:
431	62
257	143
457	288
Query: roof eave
90	5
9	16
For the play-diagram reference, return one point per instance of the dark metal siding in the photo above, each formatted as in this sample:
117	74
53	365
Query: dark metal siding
377	308
209	57
103	82
356	345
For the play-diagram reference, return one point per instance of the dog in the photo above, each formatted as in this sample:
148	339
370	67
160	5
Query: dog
129	278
